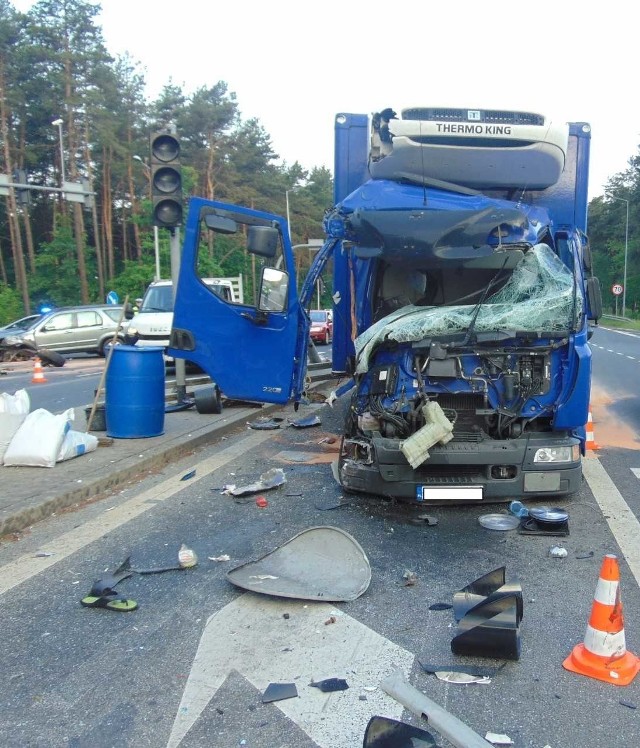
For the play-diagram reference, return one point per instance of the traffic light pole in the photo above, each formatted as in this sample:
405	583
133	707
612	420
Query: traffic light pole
181	379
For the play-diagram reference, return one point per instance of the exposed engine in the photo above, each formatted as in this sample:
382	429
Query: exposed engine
489	394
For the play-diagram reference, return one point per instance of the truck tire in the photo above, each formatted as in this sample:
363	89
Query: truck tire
51	358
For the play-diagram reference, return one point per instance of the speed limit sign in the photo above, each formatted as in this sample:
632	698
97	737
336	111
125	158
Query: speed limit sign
617	289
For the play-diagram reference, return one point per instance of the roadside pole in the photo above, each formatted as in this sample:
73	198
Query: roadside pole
181	380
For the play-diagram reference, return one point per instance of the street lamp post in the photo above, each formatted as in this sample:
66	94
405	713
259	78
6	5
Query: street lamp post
286	196
58	123
156	241
626	251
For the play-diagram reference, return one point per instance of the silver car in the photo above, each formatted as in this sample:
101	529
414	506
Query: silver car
80	329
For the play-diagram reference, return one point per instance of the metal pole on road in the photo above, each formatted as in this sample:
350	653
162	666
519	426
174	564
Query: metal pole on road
181	379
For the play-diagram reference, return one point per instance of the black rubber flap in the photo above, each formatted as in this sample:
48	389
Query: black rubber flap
383	732
491	629
278	692
477	591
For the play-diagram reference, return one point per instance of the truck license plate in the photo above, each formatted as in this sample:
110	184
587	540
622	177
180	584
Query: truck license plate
449	493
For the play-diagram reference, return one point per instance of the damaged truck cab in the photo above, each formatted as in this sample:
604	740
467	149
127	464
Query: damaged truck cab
462	291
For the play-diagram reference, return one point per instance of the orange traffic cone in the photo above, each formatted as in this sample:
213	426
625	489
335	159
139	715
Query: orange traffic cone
604	655
591	440
38	375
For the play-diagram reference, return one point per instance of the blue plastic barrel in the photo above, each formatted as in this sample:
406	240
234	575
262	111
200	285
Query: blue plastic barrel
134	400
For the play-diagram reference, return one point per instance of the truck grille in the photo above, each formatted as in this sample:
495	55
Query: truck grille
450	475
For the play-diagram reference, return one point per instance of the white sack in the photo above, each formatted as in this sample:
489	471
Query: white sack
20	403
37	442
76	443
9	424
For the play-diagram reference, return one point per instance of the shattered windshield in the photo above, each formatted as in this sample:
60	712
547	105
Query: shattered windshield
539	296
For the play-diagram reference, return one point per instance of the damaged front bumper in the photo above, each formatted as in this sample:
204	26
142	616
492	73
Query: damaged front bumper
460	472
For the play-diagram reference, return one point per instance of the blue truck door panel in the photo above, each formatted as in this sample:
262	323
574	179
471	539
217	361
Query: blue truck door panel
251	355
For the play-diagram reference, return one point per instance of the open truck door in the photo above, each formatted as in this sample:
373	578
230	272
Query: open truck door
252	351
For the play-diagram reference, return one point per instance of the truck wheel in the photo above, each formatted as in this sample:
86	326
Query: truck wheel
51	358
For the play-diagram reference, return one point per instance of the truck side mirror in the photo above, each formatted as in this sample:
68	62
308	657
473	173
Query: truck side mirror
263	240
594	298
273	290
128	311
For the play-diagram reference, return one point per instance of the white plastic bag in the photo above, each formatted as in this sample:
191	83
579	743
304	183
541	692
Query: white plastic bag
37	442
76	443
18	404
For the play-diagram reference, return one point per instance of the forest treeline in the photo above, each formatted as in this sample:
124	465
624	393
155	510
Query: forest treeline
54	66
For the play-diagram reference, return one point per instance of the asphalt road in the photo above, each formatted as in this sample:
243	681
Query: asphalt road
190	665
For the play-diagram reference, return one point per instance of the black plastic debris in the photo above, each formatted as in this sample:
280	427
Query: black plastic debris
628	704
384	732
106	584
425	519
189	475
325	505
489	613
531	526
305	423
330	684
545	521
440	606
266	424
278	692
181	405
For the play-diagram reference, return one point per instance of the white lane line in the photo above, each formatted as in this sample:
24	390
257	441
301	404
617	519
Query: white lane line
621	520
23	568
250	636
623	332
633	358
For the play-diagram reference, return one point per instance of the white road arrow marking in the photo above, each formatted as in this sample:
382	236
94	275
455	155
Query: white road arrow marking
251	635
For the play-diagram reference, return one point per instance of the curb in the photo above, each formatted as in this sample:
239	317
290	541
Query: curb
134	465
166	453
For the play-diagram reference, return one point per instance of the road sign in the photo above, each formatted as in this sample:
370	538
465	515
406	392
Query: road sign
617	289
113	298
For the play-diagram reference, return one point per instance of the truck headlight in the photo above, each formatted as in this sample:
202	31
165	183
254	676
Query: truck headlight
557	454
133	331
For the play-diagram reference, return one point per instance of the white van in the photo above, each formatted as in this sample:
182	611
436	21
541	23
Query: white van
152	323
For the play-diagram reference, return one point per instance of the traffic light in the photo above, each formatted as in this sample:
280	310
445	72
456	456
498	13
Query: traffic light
166	180
23	196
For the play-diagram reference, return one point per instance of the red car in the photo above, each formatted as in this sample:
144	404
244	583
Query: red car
321	326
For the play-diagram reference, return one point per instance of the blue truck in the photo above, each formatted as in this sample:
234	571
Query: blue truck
463	296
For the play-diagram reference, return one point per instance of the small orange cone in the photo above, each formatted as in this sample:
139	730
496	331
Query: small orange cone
591	440
38	375
604	654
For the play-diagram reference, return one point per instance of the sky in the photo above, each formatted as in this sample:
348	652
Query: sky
295	65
